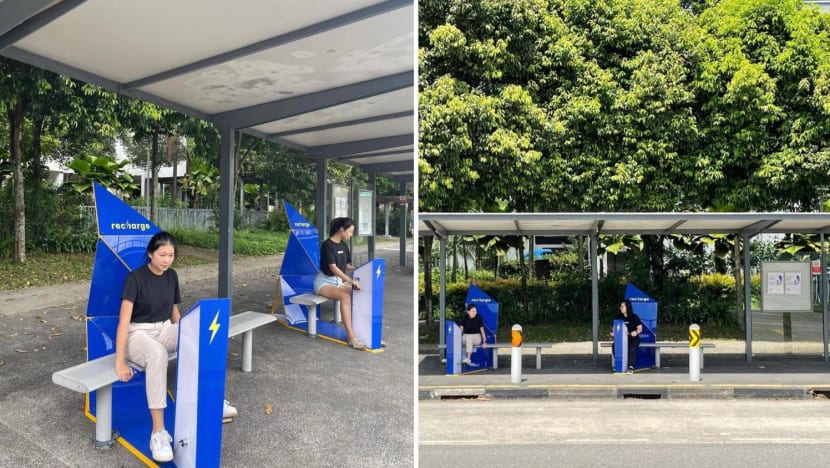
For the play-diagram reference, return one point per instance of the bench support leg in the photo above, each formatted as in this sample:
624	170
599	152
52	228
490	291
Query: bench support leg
657	357
337	317
312	320
701	357
495	358
247	350
103	417
538	358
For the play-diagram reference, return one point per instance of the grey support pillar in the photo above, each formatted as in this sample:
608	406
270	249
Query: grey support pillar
373	187
442	292
594	241
823	291
226	198
320	200
402	231
747	298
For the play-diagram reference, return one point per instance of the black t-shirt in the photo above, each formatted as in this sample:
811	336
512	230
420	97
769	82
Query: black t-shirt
472	325
153	296
631	323
336	253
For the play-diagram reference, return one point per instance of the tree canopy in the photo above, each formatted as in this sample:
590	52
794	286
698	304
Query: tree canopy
622	105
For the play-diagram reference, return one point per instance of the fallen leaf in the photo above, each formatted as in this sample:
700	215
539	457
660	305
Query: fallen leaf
2	362
40	319
21	350
268	408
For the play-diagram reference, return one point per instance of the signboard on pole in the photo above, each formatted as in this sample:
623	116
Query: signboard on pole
340	206
366	213
786	287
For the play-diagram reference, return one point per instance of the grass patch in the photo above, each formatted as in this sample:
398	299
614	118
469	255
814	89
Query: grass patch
42	269
558	333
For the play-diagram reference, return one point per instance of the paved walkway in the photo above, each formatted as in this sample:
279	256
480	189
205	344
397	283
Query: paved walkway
332	406
777	370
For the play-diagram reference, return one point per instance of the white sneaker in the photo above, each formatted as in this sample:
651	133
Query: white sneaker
466	361
160	446
229	411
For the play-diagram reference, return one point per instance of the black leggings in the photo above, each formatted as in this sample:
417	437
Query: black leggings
633	344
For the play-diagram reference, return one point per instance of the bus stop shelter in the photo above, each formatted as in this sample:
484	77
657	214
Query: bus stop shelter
332	79
592	225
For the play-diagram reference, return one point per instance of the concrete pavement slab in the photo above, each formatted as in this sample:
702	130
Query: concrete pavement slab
329	405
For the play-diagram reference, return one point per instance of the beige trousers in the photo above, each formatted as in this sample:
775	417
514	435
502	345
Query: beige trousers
471	340
148	345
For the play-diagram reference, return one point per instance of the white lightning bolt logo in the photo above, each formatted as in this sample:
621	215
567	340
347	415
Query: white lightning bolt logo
377	273
214	326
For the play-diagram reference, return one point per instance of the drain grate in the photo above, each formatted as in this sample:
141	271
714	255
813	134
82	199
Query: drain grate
821	393
642	396
460	397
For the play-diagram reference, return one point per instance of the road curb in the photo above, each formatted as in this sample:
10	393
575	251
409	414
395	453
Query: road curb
649	392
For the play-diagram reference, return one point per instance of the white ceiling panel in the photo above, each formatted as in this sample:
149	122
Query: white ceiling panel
149	36
328	75
387	103
350	54
354	132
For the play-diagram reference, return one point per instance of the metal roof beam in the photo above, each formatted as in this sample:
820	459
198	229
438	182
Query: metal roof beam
392	166
756	228
436	229
20	18
377	118
284	108
674	226
362	146
373	155
276	41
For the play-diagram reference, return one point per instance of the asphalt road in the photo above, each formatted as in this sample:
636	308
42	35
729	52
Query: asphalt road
637	433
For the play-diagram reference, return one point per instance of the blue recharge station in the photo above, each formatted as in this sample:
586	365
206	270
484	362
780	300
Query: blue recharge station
299	267
481	359
646	308
196	421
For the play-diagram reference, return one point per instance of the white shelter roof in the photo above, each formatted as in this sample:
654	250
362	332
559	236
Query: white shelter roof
527	224
332	78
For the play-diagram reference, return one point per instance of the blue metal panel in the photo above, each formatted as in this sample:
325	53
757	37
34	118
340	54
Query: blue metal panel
620	346
200	385
488	309
305	232
646	308
378	279
454	352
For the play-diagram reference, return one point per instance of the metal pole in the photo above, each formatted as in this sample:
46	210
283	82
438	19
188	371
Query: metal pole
226	194
247	350
515	354
373	187
747	298
442	291
321	196
103	417
594	240
694	353
823	288
402	227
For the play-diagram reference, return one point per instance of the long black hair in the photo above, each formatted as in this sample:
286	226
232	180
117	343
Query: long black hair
629	309
159	239
338	223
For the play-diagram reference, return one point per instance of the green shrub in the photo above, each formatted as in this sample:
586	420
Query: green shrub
244	242
706	300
